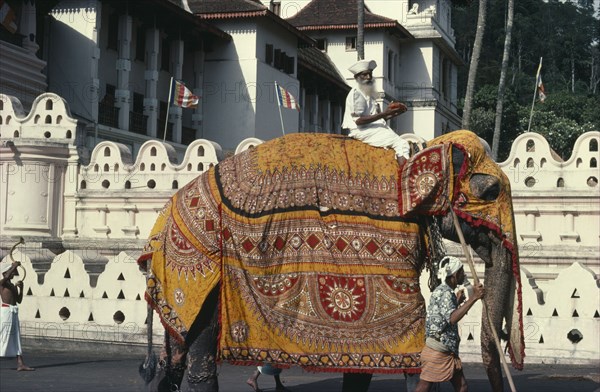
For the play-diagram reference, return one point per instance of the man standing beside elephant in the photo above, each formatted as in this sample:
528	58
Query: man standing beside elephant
439	358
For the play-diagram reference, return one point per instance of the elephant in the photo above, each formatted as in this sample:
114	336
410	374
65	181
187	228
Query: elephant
307	250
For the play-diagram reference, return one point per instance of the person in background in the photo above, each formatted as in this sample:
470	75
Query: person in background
269	371
11	295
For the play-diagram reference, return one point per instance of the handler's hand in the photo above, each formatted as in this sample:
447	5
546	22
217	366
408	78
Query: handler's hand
478	291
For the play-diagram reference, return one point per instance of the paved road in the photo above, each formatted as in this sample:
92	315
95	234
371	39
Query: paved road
97	372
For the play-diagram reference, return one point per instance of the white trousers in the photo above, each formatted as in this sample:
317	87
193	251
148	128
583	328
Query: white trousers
382	136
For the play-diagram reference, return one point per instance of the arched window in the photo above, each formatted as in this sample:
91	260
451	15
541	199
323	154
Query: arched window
175	185
106	151
560	183
517	162
106	167
542	162
201	151
69	135
16	134
153	152
594	145
58	119
49	104
142	166
48	119
593	162
200	167
82	185
530	145
152	167
530	162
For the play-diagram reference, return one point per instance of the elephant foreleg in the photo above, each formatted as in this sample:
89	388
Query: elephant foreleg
201	372
356	382
497	282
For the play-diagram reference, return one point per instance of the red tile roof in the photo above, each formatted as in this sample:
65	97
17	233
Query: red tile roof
340	15
234	9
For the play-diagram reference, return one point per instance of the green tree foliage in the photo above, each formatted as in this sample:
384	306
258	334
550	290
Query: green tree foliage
566	35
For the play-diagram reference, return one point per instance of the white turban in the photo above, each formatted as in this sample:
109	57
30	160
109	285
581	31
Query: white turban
362	66
5	266
449	265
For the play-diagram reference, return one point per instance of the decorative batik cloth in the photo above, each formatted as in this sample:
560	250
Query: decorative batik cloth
10	334
317	266
496	215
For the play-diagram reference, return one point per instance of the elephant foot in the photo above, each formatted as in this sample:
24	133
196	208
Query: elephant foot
356	382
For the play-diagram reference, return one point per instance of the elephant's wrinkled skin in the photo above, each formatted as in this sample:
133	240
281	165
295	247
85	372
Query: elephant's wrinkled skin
480	196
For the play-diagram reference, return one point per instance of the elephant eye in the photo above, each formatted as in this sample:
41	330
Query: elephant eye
485	186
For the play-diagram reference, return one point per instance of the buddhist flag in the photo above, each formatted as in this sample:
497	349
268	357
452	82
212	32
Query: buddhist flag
540	87
182	96
538	82
285	99
8	19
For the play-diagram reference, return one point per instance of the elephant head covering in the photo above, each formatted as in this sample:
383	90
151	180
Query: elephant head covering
496	215
449	265
5	266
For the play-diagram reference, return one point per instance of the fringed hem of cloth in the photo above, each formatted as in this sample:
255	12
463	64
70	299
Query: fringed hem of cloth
317	369
174	334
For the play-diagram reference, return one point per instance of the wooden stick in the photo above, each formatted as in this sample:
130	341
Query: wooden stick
476	280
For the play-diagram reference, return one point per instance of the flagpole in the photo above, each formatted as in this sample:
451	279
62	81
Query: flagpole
537	77
168	106
279	106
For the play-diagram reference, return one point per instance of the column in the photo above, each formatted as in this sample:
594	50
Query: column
151	107
122	93
304	110
569	235
530	232
175	111
337	118
103	220
197	116
325	116
27	26
313	107
131	230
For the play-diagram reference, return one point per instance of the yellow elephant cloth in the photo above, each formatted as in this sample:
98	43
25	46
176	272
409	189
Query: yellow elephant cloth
317	266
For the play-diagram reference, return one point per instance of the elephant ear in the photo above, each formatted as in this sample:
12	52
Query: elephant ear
426	182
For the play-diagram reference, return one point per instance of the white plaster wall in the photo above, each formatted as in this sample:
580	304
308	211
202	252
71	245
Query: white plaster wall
70	73
268	122
230	77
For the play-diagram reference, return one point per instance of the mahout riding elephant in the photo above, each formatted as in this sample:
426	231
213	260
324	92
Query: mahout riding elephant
307	250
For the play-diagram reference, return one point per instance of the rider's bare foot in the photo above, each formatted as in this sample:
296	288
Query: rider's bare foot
252	382
24	368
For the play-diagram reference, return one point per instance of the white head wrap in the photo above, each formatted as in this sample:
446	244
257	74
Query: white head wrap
449	265
5	266
362	66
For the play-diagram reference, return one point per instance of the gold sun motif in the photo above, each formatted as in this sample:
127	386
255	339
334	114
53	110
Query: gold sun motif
342	302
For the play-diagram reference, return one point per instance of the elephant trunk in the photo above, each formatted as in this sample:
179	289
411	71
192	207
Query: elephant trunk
499	287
